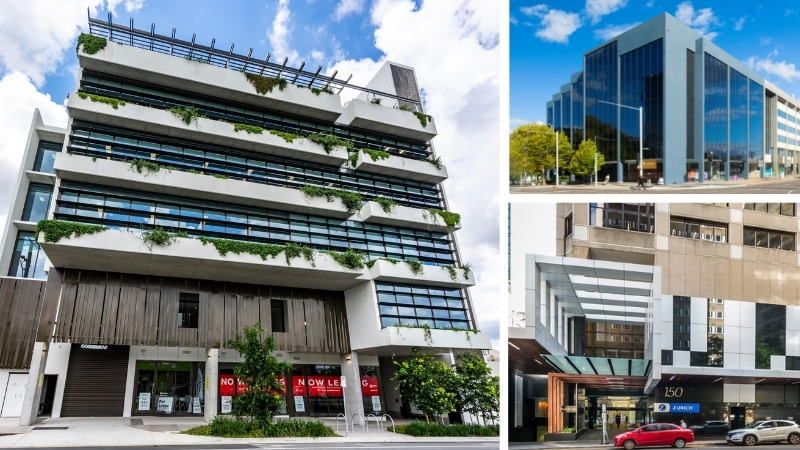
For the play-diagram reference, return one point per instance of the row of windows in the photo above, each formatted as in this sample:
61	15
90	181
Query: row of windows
784	209
625	216
46	156
779	240
219	109
134	210
411	305
122	144
695	229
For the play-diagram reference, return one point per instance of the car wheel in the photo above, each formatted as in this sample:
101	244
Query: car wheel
749	440
629	444
679	443
794	439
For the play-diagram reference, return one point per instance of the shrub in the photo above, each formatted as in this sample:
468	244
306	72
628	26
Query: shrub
223	426
250	129
328	141
264	85
114	102
91	44
423	429
185	113
54	230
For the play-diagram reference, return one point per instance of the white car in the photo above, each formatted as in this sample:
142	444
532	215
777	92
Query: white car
765	431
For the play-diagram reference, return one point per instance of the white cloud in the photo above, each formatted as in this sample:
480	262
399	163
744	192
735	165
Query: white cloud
35	34
596	9
739	24
457	64
701	20
131	6
536	10
769	66
557	26
346	7
613	31
280	32
20	97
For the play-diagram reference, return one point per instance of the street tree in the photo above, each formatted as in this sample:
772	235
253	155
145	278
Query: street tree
532	148
583	162
427	384
478	389
259	372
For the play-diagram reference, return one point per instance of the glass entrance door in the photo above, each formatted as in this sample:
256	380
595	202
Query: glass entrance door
169	388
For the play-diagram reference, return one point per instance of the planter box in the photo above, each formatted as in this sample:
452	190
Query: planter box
383	119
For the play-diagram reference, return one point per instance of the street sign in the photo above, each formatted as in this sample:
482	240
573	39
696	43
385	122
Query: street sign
688	408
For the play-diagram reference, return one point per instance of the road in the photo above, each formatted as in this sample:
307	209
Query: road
785	186
305	445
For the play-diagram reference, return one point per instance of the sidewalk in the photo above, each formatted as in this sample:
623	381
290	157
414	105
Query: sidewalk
592	438
632	185
152	431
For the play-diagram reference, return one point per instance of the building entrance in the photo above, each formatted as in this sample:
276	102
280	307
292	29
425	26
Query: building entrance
622	412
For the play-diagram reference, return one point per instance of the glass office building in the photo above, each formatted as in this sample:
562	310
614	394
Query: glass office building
662	93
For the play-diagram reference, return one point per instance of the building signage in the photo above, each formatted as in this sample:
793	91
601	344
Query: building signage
165	404
144	401
226	404
369	386
689	408
299	404
324	386
376	403
196	405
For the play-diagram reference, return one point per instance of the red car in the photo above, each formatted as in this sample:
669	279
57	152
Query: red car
655	434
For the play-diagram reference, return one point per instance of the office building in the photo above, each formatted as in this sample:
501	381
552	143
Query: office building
655	312
196	191
690	110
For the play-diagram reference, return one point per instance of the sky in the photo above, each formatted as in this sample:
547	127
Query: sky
453	45
548	40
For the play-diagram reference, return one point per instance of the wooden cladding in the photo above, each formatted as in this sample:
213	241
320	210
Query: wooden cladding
20	308
124	309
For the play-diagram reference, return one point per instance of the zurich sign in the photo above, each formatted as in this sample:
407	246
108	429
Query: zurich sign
686	408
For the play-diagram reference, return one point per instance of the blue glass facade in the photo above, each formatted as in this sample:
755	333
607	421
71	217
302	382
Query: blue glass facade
755	127
737	161
715	115
566	116
600	71
577	112
642	85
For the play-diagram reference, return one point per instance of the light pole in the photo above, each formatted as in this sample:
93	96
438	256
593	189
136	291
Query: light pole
641	134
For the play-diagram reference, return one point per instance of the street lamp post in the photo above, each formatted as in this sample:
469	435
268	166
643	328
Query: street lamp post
641	134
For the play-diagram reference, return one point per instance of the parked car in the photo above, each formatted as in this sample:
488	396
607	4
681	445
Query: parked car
711	427
655	434
765	431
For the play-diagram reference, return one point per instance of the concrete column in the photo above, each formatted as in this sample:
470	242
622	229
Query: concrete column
4	376
130	384
355	403
33	390
212	384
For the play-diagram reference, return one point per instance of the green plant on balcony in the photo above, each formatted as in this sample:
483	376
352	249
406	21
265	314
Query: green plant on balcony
427	334
372	262
452	271
225	246
350	259
54	230
292	250
451	219
324	89
376	155
265	85
467	270
113	102
186	113
288	137
352	159
351	200
435	162
250	129
91	44
141	165
159	236
423	118
198	59
414	266
220	176
386	203
376	101
329	141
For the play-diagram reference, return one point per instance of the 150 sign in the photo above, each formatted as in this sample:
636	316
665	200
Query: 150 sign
673	392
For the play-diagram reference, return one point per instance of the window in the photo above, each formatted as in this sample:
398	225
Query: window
694	229
568	226
630	217
779	240
27	260
46	156
37	202
188	310
278	313
784	209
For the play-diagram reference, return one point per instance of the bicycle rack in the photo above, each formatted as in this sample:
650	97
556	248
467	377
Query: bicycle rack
377	424
345	423
386	416
361	420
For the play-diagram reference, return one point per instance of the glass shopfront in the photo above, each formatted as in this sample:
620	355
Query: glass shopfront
169	388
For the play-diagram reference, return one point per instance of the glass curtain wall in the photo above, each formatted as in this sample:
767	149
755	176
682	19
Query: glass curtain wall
577	112
770	333
557	123
566	116
738	136
756	129
691	158
601	118
28	258
716	116
642	81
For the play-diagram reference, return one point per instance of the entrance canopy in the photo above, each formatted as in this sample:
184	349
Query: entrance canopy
600	291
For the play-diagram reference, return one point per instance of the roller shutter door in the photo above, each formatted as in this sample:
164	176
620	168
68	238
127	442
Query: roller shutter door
95	384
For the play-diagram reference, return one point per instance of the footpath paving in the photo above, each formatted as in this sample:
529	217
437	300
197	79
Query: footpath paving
165	431
592	439
614	186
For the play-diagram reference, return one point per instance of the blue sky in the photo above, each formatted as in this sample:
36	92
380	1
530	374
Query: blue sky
548	40
453	45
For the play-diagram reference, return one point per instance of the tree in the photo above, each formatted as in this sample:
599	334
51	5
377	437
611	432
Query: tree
427	384
478	390
583	160
259	371
532	148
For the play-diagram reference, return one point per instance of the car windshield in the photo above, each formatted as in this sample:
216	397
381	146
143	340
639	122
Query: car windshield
754	424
